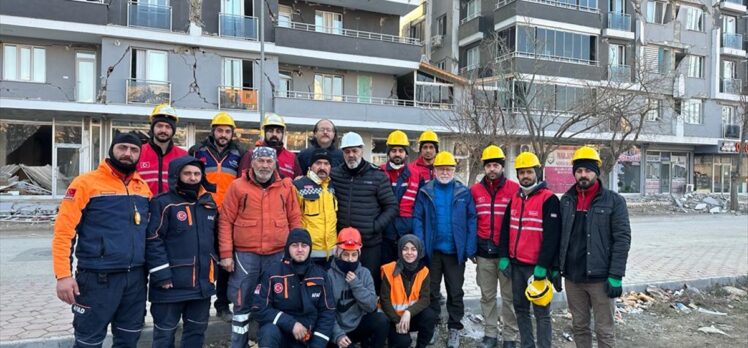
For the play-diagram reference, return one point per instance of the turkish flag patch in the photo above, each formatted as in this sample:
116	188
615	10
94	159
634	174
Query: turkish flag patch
278	288
70	193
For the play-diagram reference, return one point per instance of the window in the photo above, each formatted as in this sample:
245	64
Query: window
237	73
285	84
24	63
728	115
588	4
473	58
441	25
692	111
328	87
656	11
728	70
285	16
653	114
416	31
149	65
694	18
473	10
363	88
617	6
696	67
664	61
328	22
617	55
442	64
729	24
85	77
557	45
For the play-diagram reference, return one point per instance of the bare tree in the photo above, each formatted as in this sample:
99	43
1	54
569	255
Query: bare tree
737	172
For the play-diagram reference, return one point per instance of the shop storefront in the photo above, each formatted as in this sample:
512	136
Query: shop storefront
666	172
627	172
712	171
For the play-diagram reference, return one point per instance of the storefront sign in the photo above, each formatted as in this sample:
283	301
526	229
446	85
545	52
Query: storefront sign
726	146
558	169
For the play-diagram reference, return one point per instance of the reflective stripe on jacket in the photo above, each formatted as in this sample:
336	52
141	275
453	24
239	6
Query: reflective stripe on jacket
220	168
526	225
491	208
400	300
153	166
319	208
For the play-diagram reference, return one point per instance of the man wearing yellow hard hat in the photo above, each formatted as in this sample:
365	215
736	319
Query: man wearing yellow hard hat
160	149
221	155
428	146
444	218
273	132
528	248
595	241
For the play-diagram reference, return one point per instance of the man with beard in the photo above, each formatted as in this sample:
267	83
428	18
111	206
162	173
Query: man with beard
273	130
428	146
595	241
221	155
492	195
528	246
324	137
365	200
160	149
318	207
294	302
103	218
445	219
404	187
257	212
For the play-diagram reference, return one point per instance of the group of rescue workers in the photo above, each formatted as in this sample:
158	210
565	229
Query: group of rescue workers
325	249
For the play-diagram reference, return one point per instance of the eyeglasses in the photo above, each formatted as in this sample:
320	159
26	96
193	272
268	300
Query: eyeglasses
325	130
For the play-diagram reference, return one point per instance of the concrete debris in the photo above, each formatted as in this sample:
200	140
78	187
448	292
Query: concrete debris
700	206
714	210
733	291
712	330
568	337
29	211
667	204
710	201
706	311
20	179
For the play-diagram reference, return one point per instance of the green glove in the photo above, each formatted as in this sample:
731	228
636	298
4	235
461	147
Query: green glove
540	272
614	287
503	263
616	283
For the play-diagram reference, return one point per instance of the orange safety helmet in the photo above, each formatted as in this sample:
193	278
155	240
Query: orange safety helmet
349	239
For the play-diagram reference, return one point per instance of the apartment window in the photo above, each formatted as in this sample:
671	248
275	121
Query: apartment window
554	44
363	89
653	114
656	11
85	77
285	16
696	67
729	24
694	18
150	65
664	60
692	111
617	6
285	83
328	22
728	115
416	30
473	9
442	64
729	70
473	58
237	73
328	87
617	55
441	25
24	63
586	4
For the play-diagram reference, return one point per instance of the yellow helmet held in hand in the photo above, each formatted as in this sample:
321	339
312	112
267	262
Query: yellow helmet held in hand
526	160
492	152
444	158
273	119
398	138
163	110
539	292
428	136
222	119
586	152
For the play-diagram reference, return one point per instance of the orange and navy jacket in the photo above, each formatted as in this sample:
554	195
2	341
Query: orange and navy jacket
531	232
283	298
154	166
180	241
221	168
405	184
490	207
107	217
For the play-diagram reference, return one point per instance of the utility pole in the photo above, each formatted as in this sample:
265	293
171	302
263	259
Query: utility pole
262	61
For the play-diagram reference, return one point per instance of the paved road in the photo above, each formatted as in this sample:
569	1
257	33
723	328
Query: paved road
664	249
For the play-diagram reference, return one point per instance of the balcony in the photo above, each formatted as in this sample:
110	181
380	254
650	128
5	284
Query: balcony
732	45
392	7
572	5
237	98
147	92
731	131
242	27
473	29
148	16
733	5
619	26
730	86
619	73
347	41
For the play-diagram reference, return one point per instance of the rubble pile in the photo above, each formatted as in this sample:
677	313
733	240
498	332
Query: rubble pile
28	211
712	203
689	203
20	179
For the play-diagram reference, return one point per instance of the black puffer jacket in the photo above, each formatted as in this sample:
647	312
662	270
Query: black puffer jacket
608	232
365	200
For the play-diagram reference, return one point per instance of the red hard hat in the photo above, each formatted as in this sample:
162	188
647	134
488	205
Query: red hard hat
349	239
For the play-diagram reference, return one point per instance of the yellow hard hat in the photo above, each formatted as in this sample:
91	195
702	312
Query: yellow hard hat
273	119
163	110
539	292
526	160
492	152
398	138
222	119
428	136
444	158
586	152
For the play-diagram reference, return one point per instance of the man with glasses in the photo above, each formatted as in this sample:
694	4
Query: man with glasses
324	137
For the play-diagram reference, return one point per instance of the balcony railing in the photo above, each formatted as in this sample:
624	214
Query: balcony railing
469	70
574	5
244	27
739	2
147	92
148	15
619	73
237	98
361	99
470	17
731	86
352	33
731	131
734	41
619	21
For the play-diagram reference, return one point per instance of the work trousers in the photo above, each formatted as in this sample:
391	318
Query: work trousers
446	265
194	315
520	275
583	297
424	323
489	278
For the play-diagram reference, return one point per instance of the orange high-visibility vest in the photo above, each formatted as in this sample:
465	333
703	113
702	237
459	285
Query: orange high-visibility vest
400	300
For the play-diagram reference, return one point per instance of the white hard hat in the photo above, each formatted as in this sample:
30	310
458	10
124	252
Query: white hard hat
351	139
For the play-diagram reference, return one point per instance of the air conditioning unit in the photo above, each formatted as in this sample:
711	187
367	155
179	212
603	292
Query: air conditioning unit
732	131
436	40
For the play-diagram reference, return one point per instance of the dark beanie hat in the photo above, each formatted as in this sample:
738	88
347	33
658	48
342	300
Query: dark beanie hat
319	154
126	138
298	235
586	163
494	160
163	118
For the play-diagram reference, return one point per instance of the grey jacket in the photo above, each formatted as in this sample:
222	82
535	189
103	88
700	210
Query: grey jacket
353	300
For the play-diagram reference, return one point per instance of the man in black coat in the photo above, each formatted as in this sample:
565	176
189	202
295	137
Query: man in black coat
325	136
365	201
595	241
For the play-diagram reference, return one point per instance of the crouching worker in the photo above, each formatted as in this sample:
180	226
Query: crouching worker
405	295
293	302
181	255
356	318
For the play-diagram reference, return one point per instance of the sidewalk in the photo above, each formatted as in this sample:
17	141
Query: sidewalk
668	250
